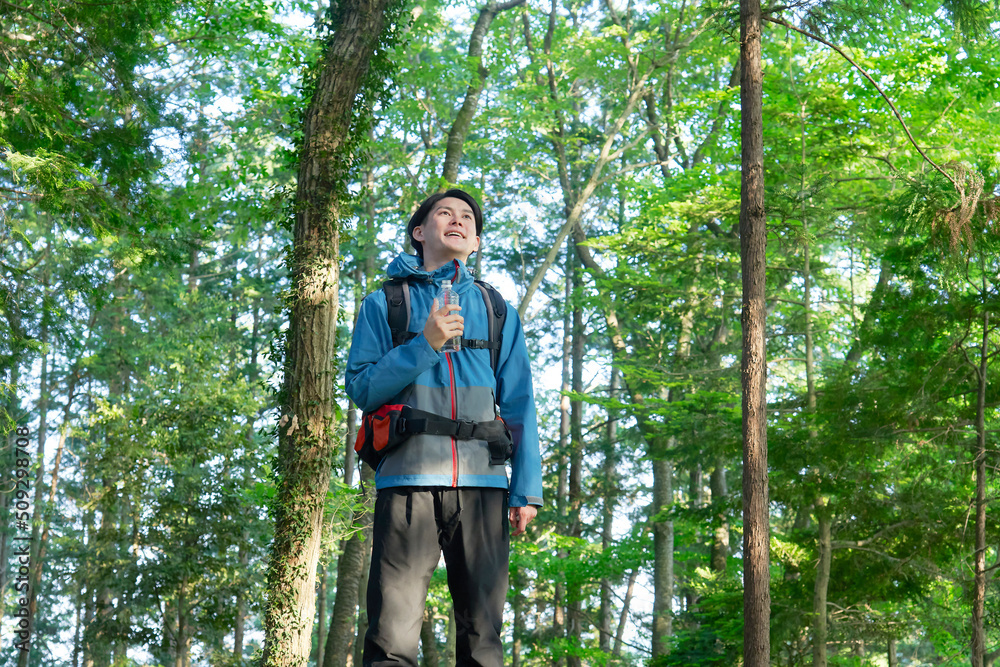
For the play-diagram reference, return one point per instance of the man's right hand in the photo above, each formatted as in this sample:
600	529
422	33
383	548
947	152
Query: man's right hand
443	324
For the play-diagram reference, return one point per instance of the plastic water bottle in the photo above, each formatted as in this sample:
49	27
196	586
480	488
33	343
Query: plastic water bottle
445	297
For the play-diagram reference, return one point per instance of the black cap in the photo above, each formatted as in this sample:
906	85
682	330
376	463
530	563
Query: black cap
421	214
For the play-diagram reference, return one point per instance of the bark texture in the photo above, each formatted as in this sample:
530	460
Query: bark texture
753	237
306	427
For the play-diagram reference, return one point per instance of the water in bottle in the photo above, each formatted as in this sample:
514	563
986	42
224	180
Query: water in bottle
449	296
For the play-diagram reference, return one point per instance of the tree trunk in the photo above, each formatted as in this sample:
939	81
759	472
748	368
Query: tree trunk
820	630
574	591
86	593
101	633
368	476
892	660
452	638
343	623
364	274
324	576
979	577
306	426
720	535
37	564
660	145
753	238
346	629
565	442
663	554
181	637
428	641
99	650
576	199
243	552
608	510
88	620
77	628
696	498
696	479
807	311
11	418
519	581
243	556
623	617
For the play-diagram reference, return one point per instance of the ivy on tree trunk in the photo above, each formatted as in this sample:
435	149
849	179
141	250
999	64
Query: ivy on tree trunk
306	428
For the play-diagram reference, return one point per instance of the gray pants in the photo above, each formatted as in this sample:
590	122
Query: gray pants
412	527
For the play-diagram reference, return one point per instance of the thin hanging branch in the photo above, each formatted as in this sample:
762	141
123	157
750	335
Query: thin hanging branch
881	92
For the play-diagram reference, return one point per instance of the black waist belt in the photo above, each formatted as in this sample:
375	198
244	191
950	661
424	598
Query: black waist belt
494	432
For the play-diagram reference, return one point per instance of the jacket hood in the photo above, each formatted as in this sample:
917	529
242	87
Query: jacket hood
411	266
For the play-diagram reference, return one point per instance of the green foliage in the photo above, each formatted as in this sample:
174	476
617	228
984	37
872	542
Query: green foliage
147	178
713	633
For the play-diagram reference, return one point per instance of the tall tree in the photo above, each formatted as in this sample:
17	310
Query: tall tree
306	428
753	239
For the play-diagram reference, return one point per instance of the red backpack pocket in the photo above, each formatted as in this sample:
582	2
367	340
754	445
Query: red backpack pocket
380	431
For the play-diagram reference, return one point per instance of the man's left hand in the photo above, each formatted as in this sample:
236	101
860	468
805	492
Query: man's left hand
520	517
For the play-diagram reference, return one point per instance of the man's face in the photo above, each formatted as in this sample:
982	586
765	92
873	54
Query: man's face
448	232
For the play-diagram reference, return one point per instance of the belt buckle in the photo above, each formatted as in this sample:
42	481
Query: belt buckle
465	429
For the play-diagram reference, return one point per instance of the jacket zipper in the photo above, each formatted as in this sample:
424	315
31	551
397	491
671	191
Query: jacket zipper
454	415
454	403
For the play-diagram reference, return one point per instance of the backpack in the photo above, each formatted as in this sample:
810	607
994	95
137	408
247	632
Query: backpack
391	425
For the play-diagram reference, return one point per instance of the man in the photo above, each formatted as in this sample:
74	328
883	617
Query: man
437	492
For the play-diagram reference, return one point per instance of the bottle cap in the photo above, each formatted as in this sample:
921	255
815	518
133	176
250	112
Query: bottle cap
445	284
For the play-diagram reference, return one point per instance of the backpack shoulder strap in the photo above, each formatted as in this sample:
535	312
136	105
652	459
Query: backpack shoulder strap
496	310
397	301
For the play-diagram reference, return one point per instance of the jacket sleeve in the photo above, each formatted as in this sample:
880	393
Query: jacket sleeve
516	400
376	371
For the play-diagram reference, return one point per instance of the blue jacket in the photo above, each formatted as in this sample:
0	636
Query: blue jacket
459	385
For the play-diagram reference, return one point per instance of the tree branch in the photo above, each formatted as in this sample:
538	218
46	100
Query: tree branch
881	92
463	119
